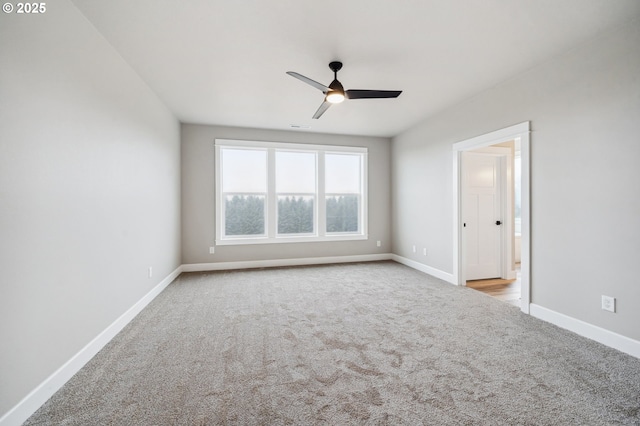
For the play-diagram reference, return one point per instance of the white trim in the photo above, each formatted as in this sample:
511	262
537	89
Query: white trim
37	397
249	264
271	236
590	331
445	276
525	215
502	135
292	146
347	236
522	132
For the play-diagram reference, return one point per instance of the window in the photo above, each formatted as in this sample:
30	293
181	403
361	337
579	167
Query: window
278	192
342	192
296	192
244	191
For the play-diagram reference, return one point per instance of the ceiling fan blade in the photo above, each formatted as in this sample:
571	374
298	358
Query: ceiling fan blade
325	106
372	94
307	80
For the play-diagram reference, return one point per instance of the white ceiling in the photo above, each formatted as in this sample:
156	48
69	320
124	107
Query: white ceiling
224	62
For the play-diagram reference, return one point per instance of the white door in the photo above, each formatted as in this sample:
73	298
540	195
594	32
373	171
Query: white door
481	212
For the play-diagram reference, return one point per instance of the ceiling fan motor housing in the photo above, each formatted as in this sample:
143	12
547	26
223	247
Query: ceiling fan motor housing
335	66
336	86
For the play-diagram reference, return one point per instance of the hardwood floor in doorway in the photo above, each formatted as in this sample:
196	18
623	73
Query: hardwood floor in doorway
505	290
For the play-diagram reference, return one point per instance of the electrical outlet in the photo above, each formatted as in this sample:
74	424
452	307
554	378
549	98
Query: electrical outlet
608	303
424	251
379	243
212	250
414	249
150	271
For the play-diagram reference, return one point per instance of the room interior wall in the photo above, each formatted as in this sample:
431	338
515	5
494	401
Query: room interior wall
584	108
198	197
90	187
89	192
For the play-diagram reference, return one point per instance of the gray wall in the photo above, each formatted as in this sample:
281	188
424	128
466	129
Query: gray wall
584	108
89	192
198	196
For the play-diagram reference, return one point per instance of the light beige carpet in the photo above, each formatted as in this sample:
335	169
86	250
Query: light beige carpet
370	343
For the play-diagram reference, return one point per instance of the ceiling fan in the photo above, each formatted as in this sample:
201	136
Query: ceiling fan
335	92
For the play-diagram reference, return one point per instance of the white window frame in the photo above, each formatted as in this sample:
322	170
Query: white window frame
271	220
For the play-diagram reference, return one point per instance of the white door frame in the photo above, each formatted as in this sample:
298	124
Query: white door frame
521	131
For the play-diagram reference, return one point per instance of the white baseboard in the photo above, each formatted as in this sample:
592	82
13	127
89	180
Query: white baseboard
590	331
221	266
34	400
445	276
29	404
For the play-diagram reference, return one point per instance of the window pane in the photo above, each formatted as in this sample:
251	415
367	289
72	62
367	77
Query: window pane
342	173
295	214
244	170
244	215
295	172
342	213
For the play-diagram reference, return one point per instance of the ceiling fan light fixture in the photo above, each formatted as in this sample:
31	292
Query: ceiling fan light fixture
335	93
335	97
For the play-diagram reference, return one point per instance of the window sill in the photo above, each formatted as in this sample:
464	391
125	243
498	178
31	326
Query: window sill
286	240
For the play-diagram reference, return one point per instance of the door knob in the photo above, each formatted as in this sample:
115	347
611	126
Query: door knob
498	222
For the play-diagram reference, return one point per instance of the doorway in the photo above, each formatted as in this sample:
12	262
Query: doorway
487	213
520	134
